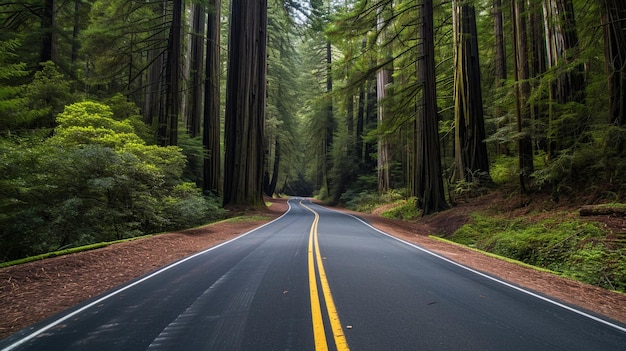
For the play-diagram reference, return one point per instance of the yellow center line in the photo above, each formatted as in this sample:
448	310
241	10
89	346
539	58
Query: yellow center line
316	311
318	324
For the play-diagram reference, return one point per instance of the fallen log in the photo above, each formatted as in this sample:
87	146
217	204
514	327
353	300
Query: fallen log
603	210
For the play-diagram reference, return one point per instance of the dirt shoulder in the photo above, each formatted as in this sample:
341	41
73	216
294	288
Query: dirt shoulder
32	292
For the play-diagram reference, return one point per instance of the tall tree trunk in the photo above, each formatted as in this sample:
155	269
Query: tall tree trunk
538	66
383	78
75	32
167	132
194	117
245	104
360	120
370	119
154	88
211	121
270	187
470	149
330	118
569	86
563	49
429	180
522	92
614	23
48	32
360	124
500	69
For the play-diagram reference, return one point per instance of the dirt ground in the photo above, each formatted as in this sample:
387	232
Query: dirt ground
34	291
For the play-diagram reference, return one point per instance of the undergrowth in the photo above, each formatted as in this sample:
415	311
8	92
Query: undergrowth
403	209
574	248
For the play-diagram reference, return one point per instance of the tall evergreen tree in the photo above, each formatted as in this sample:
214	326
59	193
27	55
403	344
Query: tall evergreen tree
211	121
569	86
522	92
383	79
167	131
245	104
429	181
614	24
196	70
470	149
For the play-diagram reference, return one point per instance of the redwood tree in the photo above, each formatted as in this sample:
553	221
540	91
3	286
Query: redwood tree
245	104
211	120
614	23
429	181
568	88
167	131
470	148
194	113
522	92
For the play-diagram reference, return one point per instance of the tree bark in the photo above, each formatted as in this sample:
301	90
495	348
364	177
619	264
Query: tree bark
522	92
538	56
569	86
211	121
472	162
270	187
563	49
194	113
383	78
167	132
429	180
614	24
245	104
500	70
330	118
48	32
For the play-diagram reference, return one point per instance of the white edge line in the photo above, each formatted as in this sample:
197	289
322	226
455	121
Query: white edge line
528	292
126	287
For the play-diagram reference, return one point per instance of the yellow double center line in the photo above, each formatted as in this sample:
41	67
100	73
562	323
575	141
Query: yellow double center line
319	333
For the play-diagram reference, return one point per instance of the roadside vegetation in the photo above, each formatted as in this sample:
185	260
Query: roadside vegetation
561	241
577	249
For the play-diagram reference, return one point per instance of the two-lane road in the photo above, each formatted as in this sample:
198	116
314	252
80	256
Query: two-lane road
316	279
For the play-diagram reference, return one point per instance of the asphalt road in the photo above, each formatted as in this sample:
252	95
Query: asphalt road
317	279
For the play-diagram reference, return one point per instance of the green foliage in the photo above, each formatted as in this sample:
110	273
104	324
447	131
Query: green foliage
366	201
472	186
117	39
47	94
403	209
504	170
125	110
574	248
194	153
12	113
94	180
598	163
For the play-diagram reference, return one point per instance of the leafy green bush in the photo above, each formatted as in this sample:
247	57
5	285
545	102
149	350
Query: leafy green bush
505	169
94	180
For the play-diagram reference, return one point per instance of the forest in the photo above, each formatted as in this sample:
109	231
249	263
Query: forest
124	118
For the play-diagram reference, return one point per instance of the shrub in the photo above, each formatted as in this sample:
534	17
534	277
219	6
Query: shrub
94	180
405	210
574	248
